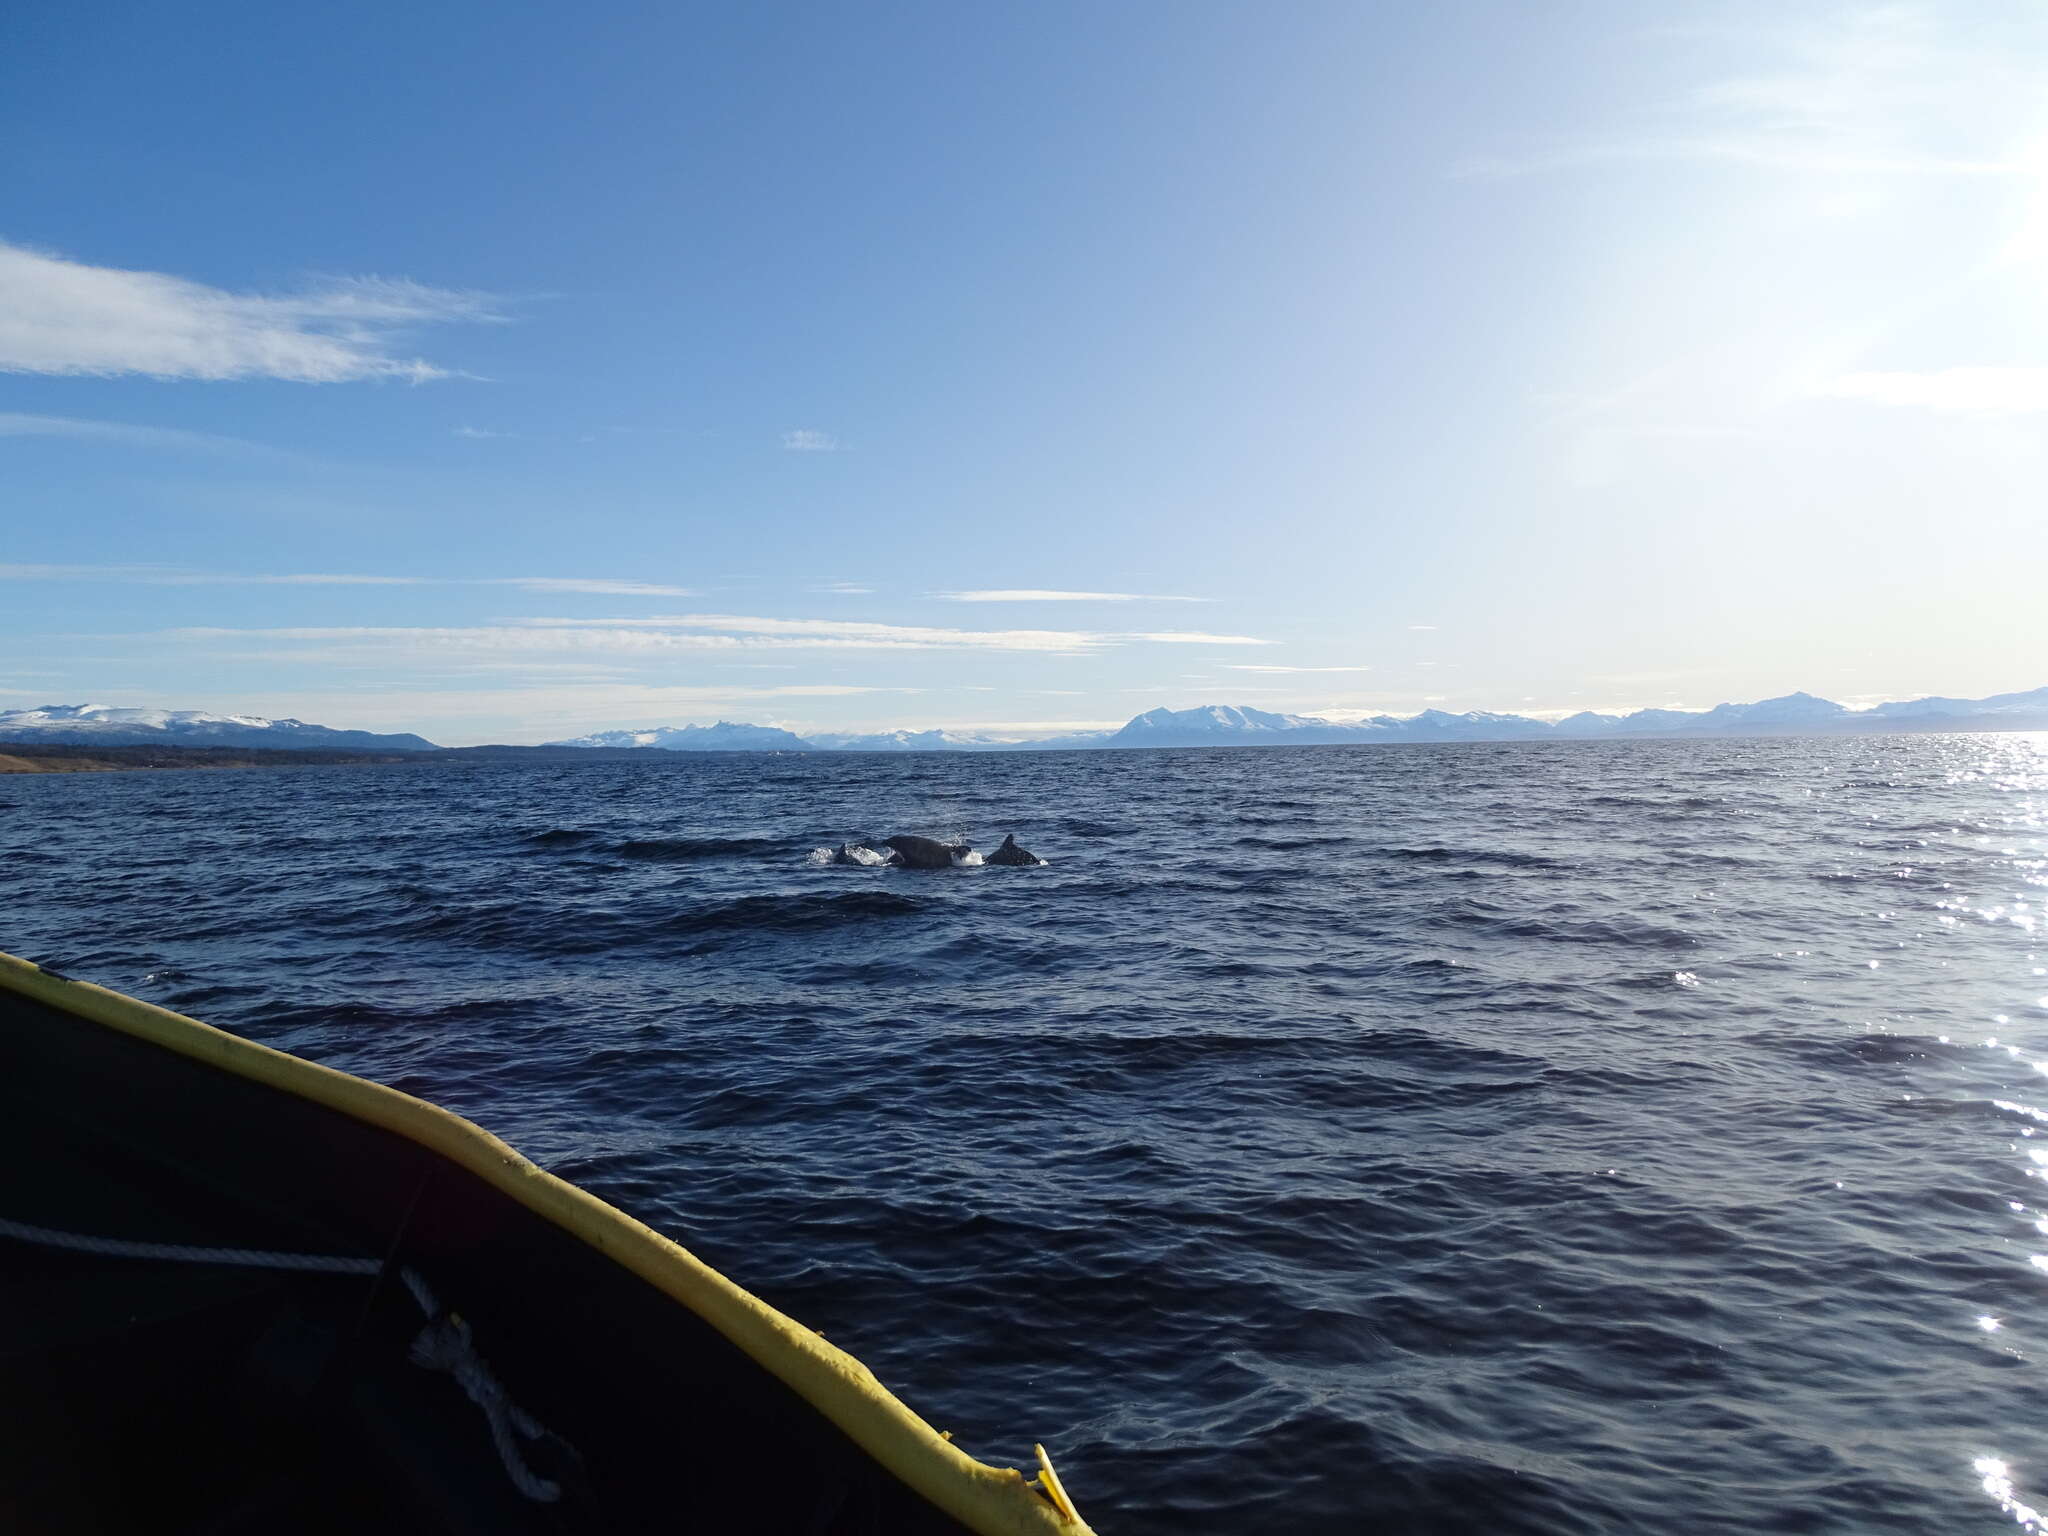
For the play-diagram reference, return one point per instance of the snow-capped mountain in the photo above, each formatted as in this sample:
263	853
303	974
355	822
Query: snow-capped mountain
2031	703
1473	725
1794	709
1791	714
113	726
1225	725
725	736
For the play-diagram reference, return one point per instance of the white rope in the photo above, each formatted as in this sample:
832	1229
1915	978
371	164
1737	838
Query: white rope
444	1344
180	1253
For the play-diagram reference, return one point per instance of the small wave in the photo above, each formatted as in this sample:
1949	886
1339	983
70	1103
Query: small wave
1653	803
561	837
1502	856
1862	1050
354	1015
805	911
666	849
1498	922
1074	827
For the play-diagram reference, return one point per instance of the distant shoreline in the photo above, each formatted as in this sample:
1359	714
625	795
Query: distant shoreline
40	757
52	757
81	757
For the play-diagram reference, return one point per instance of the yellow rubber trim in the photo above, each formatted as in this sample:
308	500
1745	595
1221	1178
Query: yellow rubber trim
992	1501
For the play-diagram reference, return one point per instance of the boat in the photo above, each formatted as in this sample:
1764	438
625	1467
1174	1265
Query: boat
242	1292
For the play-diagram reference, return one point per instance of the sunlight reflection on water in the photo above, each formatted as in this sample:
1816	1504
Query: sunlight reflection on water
2013	766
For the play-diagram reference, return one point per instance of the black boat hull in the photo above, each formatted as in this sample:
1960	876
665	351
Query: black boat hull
162	1394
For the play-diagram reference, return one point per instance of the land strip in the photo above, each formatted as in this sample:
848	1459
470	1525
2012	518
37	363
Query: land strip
39	757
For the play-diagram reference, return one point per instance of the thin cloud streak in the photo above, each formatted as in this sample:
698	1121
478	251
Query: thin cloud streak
64	317
845	631
1035	595
733	631
24	424
172	576
1245	666
175	576
589	636
596	585
1195	637
910	634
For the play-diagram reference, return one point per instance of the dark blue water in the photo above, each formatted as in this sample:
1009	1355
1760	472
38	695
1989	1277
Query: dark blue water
1564	1138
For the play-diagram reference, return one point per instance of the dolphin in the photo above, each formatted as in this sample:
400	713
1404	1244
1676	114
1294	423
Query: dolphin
861	853
1010	853
925	852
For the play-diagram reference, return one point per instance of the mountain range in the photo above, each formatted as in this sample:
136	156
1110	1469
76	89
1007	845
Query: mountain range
1206	725
1229	725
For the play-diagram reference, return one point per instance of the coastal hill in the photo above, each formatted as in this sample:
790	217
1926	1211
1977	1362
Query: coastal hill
101	725
1206	725
66	757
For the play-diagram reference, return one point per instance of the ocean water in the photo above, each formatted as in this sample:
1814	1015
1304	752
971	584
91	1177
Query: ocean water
1533	1138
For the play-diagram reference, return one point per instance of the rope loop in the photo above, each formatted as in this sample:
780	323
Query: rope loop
446	1345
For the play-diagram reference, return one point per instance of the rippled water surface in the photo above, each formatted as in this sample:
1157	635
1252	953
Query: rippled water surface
1573	1138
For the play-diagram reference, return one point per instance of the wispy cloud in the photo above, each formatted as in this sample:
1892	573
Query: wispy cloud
1195	637
1245	666
22	424
177	576
844	589
1422	626
2009	391
350	641
580	584
911	634
59	316
1039	595
480	433
843	633
805	440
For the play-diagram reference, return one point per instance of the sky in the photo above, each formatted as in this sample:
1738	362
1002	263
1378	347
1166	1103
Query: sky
505	372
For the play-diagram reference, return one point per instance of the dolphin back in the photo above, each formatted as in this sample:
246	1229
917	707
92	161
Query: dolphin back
924	852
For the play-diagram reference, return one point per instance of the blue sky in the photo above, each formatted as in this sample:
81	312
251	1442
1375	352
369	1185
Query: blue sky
645	364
